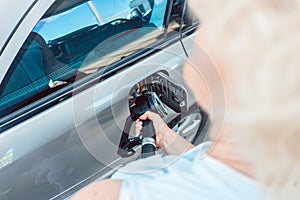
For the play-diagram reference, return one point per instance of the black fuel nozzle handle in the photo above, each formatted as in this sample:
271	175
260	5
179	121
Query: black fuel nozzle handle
126	144
143	103
148	139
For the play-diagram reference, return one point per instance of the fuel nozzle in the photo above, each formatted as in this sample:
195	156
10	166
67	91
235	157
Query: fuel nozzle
148	139
147	101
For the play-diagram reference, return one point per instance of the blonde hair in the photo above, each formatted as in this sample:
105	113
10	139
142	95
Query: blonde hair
259	40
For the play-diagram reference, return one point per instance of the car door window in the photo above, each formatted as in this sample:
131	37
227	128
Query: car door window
181	18
81	39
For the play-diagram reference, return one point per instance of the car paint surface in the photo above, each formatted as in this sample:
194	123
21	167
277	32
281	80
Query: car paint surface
53	149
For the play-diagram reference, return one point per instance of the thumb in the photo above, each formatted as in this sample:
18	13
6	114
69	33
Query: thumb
158	122
146	115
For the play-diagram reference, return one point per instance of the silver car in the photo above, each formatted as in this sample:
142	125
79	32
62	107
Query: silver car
72	73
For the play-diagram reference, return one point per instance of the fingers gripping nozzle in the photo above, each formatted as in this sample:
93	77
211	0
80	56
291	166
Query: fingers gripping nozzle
148	101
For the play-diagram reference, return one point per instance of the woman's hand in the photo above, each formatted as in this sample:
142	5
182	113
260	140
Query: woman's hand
166	138
160	126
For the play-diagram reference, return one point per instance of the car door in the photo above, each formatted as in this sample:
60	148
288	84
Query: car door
72	70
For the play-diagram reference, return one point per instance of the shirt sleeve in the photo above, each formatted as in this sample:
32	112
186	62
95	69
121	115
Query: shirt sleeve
167	186
189	177
125	193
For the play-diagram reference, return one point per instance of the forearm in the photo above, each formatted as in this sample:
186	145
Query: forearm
106	189
172	143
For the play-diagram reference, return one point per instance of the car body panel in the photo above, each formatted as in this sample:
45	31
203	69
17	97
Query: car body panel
97	135
60	143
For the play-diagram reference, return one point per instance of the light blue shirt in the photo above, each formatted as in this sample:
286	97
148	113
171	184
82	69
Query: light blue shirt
190	176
